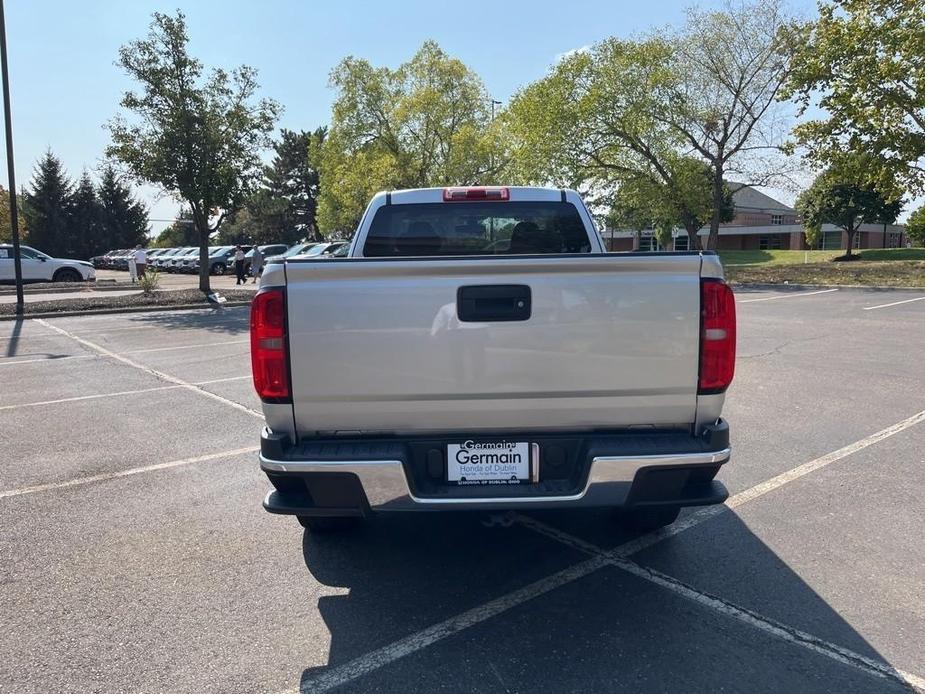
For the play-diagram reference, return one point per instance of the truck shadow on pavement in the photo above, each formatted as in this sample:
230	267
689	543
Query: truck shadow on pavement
609	630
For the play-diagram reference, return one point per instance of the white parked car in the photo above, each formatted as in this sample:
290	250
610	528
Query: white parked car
38	267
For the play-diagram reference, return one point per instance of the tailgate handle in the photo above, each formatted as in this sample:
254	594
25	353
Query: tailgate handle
493	302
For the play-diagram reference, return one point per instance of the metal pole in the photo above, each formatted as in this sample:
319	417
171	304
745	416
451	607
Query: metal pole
14	214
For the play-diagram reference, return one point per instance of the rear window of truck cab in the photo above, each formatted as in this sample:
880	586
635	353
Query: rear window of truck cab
476	228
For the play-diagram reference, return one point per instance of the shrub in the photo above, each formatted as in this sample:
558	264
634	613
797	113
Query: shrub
149	282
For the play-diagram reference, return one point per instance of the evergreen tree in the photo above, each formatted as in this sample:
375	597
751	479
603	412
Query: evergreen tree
83	238
124	220
47	206
283	209
293	177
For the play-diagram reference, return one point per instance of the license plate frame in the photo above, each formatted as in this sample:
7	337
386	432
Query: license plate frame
489	463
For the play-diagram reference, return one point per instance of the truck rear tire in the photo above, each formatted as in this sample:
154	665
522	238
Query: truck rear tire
328	524
652	518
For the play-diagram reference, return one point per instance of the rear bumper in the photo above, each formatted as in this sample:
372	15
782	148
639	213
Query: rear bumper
357	477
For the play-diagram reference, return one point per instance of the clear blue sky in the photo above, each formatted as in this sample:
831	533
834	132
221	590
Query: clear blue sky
65	84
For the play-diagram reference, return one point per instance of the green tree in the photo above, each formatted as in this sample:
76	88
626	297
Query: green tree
123	219
47	206
6	225
813	234
181	233
198	137
426	123
84	238
629	109
684	201
915	226
861	63
293	177
844	197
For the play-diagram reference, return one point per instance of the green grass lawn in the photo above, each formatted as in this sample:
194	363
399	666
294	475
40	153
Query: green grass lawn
732	258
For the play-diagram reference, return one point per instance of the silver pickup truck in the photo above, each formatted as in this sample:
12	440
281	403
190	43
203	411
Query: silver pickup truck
479	349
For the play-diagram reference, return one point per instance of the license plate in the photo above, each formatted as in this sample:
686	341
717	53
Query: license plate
488	462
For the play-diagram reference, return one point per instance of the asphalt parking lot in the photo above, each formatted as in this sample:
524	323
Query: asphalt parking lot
135	555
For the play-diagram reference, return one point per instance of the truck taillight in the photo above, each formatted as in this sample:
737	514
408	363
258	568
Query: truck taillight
269	362
463	194
717	336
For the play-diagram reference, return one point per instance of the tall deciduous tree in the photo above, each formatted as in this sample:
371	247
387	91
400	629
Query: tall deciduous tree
198	137
84	238
123	218
426	123
47	206
843	196
861	62
631	109
730	66
685	201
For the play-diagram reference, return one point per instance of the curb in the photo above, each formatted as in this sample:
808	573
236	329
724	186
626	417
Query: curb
778	285
129	309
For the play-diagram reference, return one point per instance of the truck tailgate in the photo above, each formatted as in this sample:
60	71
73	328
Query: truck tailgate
378	345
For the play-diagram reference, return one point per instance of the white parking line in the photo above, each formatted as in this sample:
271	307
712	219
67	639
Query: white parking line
169	349
124	473
48	359
787	296
728	609
369	662
147	369
895	303
131	351
98	396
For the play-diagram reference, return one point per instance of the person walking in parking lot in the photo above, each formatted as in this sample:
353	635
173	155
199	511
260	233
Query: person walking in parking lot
140	256
239	265
256	263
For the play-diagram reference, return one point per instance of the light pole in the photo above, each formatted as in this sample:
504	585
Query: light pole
14	214
494	102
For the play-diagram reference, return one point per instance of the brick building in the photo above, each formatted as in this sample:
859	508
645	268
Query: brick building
763	223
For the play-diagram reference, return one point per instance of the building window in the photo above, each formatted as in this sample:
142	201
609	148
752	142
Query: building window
682	243
777	219
831	240
769	243
649	243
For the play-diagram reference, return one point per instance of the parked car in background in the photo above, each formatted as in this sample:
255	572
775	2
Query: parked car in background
222	260
172	264
155	253
39	267
101	261
341	247
342	252
298	249
192	266
160	262
189	263
120	260
316	250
